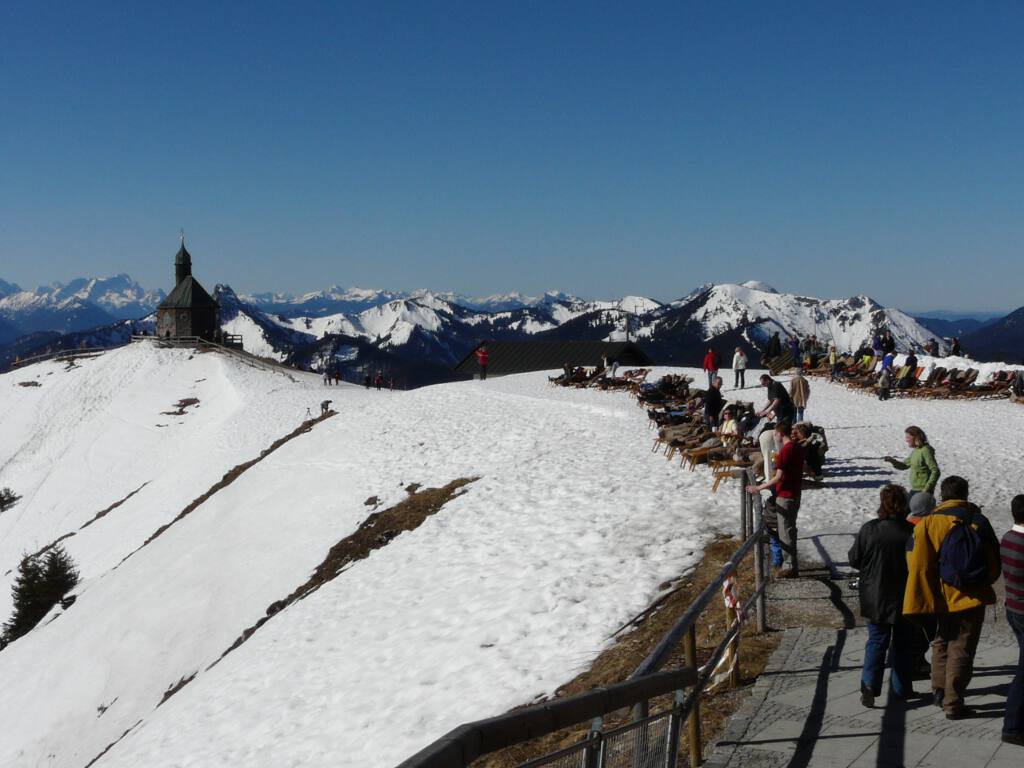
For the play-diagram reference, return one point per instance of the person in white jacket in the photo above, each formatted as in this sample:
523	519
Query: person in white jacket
739	369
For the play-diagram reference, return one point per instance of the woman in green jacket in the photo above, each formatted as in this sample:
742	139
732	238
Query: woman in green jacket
924	470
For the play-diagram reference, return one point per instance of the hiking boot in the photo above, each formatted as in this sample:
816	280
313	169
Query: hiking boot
938	695
867	696
1014	738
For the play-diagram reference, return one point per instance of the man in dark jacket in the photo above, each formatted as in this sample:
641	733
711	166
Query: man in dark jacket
879	553
713	403
779	402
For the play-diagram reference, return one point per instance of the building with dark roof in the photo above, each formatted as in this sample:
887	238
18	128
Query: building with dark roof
505	357
188	310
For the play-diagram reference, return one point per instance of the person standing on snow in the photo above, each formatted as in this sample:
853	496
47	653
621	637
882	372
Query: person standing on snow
739	369
711	366
799	393
924	470
482	357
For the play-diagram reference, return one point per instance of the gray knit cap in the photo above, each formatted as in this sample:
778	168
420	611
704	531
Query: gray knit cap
921	504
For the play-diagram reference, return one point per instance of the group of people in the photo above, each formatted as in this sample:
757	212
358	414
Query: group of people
712	364
379	381
927	572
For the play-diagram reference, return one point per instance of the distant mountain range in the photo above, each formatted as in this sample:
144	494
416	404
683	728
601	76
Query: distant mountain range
76	306
421	335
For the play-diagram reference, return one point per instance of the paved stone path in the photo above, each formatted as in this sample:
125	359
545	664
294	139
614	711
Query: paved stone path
805	711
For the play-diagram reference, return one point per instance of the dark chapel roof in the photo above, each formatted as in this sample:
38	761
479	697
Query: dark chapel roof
188	294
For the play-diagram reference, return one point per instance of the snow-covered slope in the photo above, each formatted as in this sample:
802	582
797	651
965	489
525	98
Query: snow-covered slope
499	598
539	560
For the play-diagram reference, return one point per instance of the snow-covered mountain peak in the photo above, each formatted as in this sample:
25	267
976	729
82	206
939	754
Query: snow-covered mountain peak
757	285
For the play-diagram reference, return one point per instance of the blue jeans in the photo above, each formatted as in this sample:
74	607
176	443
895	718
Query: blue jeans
776	549
1013	722
711	377
879	638
799	413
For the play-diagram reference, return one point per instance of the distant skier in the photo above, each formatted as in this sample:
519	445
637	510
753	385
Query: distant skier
482	357
378	380
366	380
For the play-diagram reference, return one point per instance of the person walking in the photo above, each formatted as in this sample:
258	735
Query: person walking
833	363
885	384
924	469
952	563
787	482
482	358
739	369
711	365
879	553
1012	554
799	393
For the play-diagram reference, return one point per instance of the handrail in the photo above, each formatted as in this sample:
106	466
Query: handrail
253	361
461	746
65	354
752	522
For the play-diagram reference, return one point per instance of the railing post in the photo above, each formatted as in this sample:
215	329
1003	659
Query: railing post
734	674
693	721
673	730
592	756
761	604
744	530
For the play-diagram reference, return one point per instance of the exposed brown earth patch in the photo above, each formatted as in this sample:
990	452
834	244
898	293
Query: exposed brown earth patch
231	476
617	662
181	405
111	745
29	384
375	532
102	513
176	687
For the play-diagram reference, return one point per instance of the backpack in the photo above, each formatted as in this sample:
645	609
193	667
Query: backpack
962	561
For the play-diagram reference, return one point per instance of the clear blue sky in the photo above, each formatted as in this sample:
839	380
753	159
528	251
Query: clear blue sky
603	149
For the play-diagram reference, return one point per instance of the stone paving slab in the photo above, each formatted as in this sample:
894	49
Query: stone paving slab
805	711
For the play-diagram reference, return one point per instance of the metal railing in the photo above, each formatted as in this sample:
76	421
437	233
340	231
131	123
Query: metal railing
466	743
253	361
649	741
752	532
62	354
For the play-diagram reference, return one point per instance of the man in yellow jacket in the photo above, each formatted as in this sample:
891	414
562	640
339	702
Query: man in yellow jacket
959	611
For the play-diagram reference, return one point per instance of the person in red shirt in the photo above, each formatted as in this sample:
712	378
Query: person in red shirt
711	366
787	482
481	357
